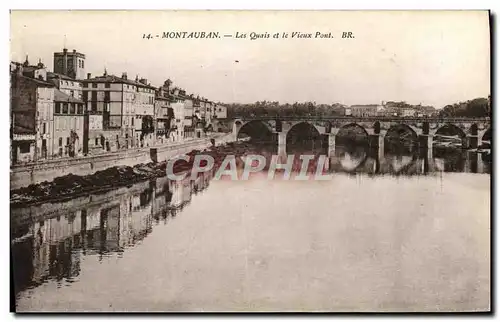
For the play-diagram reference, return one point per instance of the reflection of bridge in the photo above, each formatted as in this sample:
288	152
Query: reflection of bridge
423	130
468	162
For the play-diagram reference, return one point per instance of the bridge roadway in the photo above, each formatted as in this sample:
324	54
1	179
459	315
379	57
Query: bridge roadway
423	129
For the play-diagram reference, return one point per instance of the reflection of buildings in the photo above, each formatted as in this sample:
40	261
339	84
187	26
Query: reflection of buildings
51	248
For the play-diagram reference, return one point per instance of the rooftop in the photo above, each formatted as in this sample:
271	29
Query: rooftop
38	82
116	80
61	76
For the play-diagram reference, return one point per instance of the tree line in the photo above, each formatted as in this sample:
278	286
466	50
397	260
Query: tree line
478	107
275	109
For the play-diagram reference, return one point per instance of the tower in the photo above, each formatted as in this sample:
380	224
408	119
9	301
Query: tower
71	64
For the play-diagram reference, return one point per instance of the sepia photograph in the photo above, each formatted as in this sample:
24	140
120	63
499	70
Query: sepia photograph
250	161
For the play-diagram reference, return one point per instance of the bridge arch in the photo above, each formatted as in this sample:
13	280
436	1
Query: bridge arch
256	129
473	130
486	135
355	125
352	134
400	137
450	128
303	124
305	135
400	129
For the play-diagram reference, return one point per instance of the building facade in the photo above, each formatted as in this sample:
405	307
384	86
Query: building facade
164	114
69	117
364	110
68	85
124	107
32	108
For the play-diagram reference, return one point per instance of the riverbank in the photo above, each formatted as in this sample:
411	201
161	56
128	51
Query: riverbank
70	186
33	173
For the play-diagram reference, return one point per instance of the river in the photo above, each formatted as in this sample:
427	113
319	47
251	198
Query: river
391	233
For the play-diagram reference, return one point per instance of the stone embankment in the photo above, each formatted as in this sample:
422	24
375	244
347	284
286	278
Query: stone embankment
24	175
71	186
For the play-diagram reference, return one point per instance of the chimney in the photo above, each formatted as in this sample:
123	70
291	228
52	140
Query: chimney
124	75
74	51
65	50
89	75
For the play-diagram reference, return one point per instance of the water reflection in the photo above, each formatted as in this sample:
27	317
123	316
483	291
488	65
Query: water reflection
407	161
51	248
50	240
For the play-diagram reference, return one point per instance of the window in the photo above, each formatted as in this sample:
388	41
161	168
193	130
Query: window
83	64
85	96
58	108
94	107
72	108
94	96
96	141
65	108
44	128
108	85
67	140
80	108
24	147
94	85
72	93
60	141
107	96
132	121
85	85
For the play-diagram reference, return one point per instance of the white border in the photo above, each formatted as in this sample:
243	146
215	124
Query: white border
193	5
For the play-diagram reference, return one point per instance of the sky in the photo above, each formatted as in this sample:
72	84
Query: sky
429	57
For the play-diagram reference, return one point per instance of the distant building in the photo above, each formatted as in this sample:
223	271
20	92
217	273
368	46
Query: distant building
364	110
220	111
408	112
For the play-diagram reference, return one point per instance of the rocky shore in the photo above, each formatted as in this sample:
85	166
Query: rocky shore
71	186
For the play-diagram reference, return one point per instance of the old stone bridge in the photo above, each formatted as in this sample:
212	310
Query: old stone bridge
423	129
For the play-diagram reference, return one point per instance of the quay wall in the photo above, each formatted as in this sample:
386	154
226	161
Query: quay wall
36	172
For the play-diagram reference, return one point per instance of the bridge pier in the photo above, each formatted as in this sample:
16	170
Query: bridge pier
377	144
236	128
331	145
425	146
282	156
474	162
473	142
